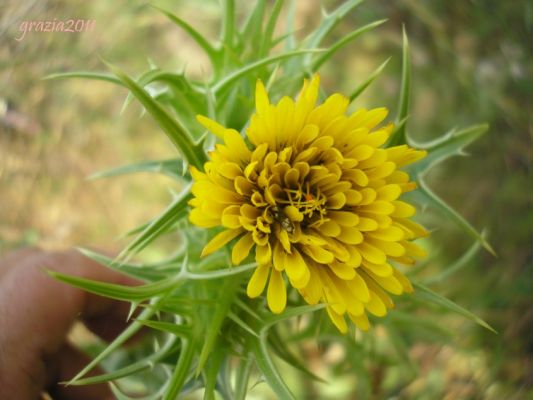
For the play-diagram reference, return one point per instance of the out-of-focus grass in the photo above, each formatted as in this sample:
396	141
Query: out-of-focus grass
471	63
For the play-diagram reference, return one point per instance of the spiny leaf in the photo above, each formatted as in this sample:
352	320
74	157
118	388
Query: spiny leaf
243	376
329	21
450	144
425	195
138	271
251	29
177	82
228	23
399	137
120	292
456	266
407	320
248	309
193	33
291	313
127	333
266	40
355	356
181	371
138	366
235	318
425	294
172	168
177	134
290	43
271	373
343	42
216	320
238	74
174	212
168	327
119	395
86	75
220	273
212	370
279	346
361	88
402	349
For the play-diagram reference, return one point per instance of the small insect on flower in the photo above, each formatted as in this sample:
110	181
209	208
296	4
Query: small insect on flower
313	193
283	220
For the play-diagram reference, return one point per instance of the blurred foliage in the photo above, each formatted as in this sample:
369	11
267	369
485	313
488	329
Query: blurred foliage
471	62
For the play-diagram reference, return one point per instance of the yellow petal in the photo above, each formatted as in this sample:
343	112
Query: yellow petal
389	283
371	253
402	209
344	218
416	229
230	170
338	320
293	213
242	249
390	234
236	145
353	197
283	237
337	201
296	269
279	257
198	218
312	293
384	269
276	293
306	135
230	217
196	174
374	117
350	235
209	190
212	126
220	240
381	171
392	249
257	282
330	228
359	288
362	152
413	249
355	256
262	102
263	254
379	207
353	306
367	224
389	192
361	321
404	281
376	306
342	270
318	254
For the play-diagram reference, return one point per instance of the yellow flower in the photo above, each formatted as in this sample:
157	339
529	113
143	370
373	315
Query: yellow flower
311	192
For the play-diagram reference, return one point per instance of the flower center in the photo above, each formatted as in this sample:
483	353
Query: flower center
311	204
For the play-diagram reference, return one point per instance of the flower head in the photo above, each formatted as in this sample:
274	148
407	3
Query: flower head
311	192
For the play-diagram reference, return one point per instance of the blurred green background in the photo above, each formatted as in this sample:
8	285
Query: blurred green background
472	63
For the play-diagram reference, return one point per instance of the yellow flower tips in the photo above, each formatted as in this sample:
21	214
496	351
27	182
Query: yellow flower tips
311	192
